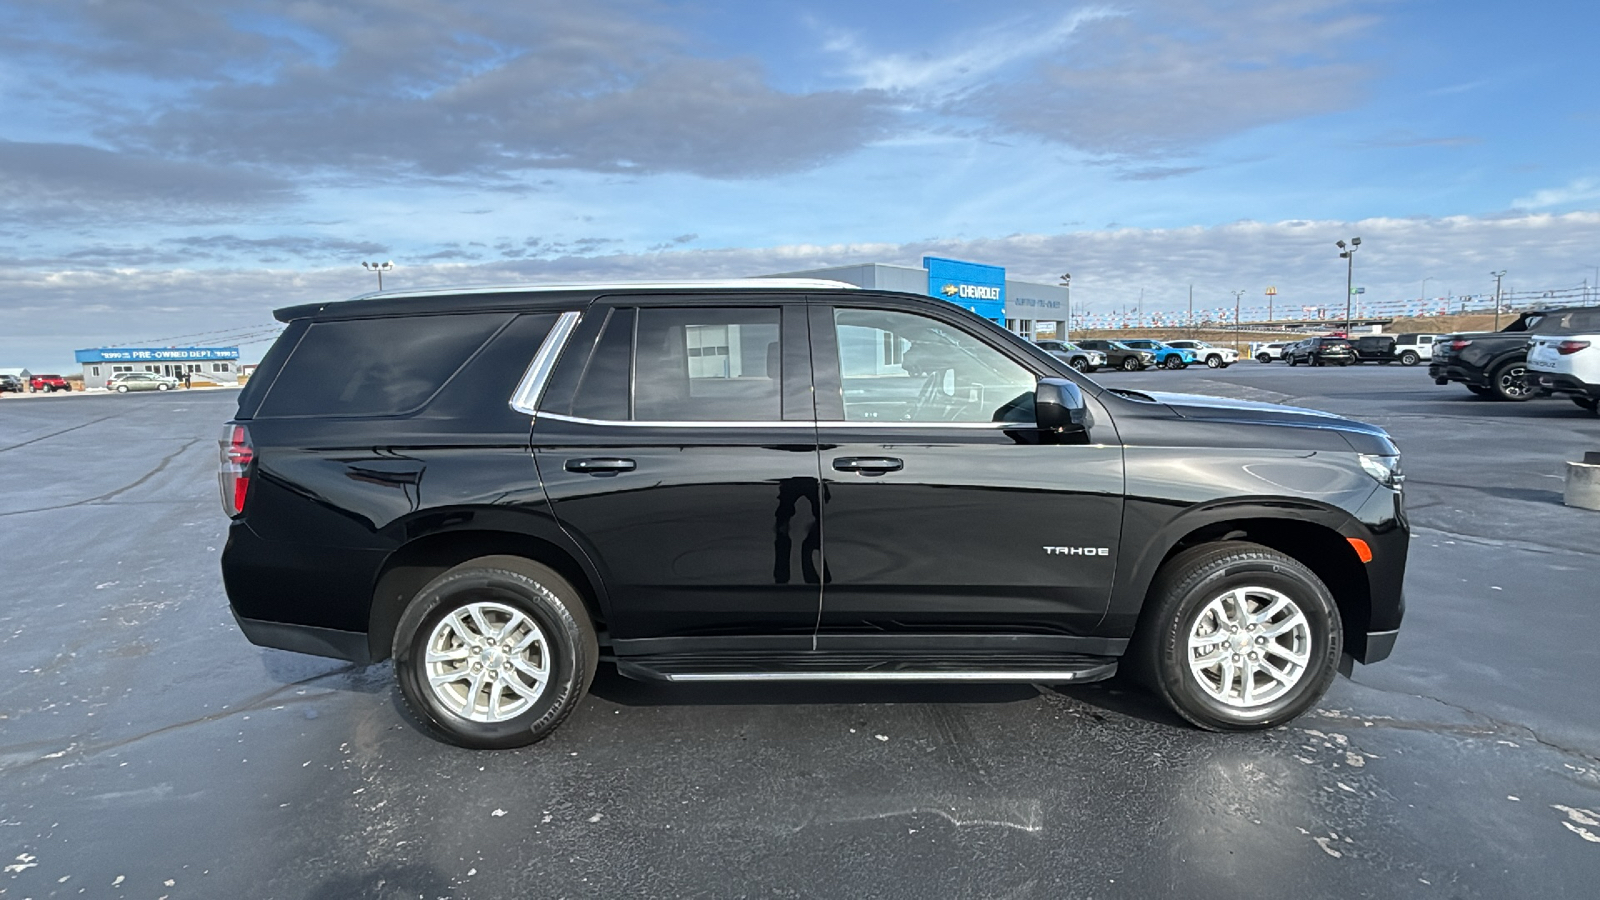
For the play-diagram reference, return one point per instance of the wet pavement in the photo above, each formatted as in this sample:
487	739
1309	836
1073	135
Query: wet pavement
147	750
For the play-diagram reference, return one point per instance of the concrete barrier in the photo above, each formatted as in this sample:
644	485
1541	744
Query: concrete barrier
1583	482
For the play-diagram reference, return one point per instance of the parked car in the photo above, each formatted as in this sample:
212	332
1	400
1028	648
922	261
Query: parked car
51	383
10	383
1320	351
1567	364
550	474
123	382
1119	355
1167	357
1494	363
1077	357
1213	356
1414	348
1378	348
1266	353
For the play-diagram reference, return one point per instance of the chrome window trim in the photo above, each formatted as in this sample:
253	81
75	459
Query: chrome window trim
579	420
525	399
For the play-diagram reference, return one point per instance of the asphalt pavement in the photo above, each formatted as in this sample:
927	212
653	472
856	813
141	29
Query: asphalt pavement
148	750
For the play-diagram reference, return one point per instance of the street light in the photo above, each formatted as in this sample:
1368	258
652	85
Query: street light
380	268
1595	283
1497	276
1066	282
1236	296
1424	295
1348	254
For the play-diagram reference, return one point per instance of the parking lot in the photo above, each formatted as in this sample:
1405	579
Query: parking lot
147	750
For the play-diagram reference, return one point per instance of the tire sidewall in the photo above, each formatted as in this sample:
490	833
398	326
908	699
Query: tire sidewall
562	634
1315	603
1504	371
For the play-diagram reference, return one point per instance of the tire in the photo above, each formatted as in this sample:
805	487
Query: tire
1263	358
1409	358
1510	382
122	389
1173	364
1131	364
1079	364
501	588
1292	362
1196	596
1316	361
1224	365
162	386
1589	403
1214	362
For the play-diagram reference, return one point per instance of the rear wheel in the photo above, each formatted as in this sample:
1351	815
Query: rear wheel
1480	391
1236	637
122	389
1589	403
1511	382
495	653
1263	358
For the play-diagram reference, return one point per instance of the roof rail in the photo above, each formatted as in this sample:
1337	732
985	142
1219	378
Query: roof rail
796	284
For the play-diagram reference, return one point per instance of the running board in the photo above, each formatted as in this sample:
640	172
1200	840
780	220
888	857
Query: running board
813	665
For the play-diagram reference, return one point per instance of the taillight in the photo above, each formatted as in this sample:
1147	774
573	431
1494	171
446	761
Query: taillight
234	475
1459	343
1566	348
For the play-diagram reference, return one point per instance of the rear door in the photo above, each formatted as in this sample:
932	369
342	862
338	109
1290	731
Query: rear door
945	509
677	444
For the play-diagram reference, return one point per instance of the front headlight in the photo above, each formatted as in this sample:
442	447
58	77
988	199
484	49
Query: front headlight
1385	469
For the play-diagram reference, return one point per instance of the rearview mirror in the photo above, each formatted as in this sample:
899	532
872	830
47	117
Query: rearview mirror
1058	406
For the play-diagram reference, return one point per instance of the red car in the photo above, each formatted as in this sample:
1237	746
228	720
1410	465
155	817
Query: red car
51	383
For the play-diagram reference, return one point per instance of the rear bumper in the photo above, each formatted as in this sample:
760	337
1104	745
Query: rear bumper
1558	383
330	642
1458	373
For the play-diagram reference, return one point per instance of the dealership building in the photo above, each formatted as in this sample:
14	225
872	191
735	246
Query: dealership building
1023	307
219	364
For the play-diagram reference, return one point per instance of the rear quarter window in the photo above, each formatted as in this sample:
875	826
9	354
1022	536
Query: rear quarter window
375	367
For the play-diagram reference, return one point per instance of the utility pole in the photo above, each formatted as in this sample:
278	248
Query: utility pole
1192	330
1066	327
1349	255
1497	276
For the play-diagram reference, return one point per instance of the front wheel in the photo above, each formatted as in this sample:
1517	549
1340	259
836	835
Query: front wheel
1081	364
1213	362
1293	361
495	653
163	386
1173	364
1511	382
1131	365
1409	358
1237	637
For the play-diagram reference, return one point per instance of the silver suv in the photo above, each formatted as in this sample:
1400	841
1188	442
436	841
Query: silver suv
123	382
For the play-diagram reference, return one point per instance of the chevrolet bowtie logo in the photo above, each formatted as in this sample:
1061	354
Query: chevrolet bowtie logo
949	290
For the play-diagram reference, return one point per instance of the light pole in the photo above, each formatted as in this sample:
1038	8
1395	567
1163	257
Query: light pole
1595	283
1497	276
1066	327
380	268
1423	297
1236	296
1349	255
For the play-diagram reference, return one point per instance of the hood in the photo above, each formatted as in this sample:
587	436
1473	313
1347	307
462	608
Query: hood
1199	406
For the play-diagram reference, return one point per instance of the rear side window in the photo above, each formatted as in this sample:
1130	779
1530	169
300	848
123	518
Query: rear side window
708	364
375	367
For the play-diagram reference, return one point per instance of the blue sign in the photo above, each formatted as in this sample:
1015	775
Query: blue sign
155	354
974	286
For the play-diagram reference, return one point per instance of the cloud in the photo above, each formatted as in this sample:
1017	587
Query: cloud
1577	191
52	311
430	89
48	180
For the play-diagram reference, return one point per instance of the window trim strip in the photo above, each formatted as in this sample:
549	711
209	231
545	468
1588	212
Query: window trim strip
525	399
855	425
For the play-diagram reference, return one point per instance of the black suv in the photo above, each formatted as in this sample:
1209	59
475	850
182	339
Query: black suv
1320	351
1378	348
783	480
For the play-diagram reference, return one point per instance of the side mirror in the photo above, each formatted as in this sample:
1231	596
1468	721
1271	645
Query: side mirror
1058	406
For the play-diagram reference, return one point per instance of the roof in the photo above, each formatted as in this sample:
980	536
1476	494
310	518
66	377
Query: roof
520	295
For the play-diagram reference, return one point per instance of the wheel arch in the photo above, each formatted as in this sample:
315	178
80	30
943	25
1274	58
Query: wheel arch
424	558
1311	534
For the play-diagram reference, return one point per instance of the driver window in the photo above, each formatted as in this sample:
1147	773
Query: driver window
901	367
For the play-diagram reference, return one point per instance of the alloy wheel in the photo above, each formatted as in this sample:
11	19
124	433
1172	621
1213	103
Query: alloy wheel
487	662
1249	646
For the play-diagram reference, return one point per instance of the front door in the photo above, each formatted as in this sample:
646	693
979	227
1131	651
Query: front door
677	445
946	510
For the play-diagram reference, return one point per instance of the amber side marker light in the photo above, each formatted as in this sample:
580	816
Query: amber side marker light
1361	548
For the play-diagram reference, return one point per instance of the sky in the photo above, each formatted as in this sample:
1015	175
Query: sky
173	170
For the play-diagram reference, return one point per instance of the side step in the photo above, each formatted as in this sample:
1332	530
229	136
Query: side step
815	665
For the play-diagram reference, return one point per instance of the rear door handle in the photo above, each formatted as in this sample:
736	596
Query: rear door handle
868	465
602	466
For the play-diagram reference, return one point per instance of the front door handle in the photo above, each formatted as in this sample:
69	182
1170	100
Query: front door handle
868	465
605	466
